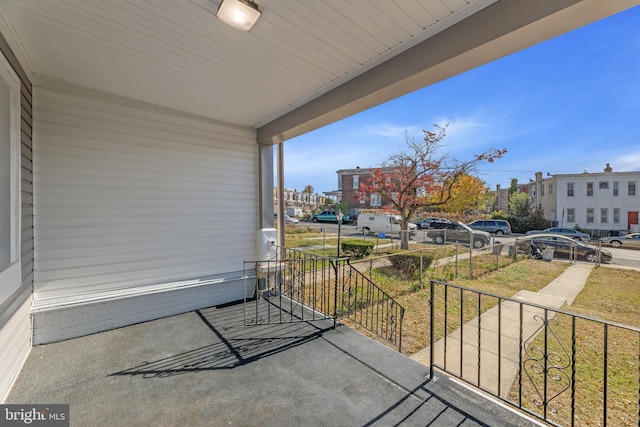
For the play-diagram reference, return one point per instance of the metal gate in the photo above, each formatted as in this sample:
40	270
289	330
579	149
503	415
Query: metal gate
299	286
294	287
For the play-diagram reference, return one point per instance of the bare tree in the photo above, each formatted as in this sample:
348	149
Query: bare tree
422	176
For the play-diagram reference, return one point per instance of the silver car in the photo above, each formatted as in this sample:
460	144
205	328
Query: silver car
569	232
495	226
631	240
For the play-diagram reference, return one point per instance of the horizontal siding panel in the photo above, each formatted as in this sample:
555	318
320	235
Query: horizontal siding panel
76	320
26	186
26	162
27	237
27	222
27	198
15	336
25	137
26	151
129	195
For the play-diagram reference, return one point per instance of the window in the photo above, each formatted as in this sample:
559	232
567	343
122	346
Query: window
604	214
376	200
550	188
569	189
603	185
356	181
615	188
616	215
631	188
571	215
10	271
591	216
542	190
589	189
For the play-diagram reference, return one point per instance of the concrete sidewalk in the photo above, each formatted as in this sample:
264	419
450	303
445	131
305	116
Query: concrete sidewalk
494	376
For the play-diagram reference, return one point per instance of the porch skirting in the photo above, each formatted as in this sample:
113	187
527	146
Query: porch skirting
71	317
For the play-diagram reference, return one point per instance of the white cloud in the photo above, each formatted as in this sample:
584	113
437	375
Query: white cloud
626	163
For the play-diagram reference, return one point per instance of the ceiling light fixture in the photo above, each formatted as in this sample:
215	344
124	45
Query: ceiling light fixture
240	14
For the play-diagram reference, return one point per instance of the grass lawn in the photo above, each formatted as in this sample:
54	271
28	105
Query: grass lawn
526	274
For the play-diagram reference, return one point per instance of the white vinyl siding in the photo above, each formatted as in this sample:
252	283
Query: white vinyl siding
15	336
16	241
130	197
16	294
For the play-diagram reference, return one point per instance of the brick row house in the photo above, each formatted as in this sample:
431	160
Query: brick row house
349	181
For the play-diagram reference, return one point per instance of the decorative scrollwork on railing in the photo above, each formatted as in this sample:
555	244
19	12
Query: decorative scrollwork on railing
552	364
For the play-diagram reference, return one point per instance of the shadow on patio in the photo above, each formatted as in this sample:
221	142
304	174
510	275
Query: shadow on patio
207	368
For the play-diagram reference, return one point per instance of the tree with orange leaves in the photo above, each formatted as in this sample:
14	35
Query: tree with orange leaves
469	194
421	177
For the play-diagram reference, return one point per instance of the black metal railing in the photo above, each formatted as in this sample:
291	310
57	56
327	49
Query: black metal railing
292	286
369	306
563	368
301	286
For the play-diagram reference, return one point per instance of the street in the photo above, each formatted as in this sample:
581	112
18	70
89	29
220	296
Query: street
622	257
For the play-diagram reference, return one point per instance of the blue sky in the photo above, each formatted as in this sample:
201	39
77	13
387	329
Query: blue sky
566	105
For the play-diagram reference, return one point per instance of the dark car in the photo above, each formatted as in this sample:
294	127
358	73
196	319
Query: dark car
493	226
564	247
330	216
454	231
426	222
569	232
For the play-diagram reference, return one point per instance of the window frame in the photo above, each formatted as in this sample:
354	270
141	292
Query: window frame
571	215
570	189
591	216
376	200
589	189
10	257
604	215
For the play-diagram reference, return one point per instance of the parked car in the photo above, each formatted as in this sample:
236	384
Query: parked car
564	247
426	222
330	216
288	219
382	223
494	226
631	240
569	232
454	231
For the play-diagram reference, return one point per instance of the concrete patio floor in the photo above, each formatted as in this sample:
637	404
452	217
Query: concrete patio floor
206	368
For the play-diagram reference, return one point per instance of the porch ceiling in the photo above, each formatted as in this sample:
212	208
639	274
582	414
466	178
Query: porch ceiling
305	63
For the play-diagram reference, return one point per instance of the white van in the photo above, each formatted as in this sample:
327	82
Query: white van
381	223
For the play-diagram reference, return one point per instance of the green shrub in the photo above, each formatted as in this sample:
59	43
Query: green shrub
407	263
357	248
